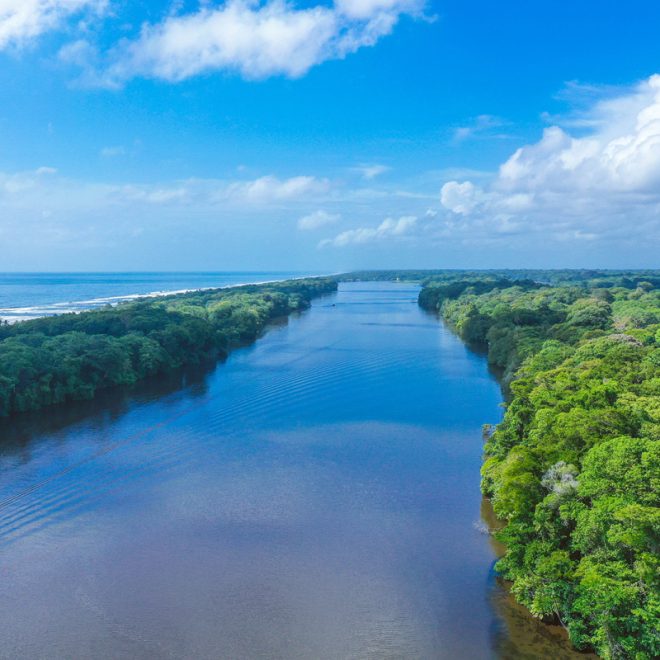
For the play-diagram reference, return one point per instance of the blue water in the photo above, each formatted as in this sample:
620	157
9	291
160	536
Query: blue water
315	496
29	295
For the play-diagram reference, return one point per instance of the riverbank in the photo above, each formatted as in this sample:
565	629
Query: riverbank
53	360
548	431
314	496
572	468
26	296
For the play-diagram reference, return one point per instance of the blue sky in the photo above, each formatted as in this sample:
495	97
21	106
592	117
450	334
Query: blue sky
364	133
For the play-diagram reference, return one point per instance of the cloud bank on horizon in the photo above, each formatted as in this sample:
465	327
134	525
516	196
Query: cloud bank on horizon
601	186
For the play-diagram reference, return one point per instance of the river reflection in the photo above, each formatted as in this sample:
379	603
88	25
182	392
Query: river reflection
316	496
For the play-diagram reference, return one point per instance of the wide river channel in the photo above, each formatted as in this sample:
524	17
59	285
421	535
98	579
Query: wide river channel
315	496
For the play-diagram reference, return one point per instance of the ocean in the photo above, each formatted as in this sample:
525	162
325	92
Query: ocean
26	296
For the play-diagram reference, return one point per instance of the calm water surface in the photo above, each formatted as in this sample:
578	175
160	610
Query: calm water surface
316	496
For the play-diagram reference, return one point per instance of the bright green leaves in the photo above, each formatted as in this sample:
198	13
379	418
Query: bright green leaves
589	312
546	589
574	467
618	614
629	467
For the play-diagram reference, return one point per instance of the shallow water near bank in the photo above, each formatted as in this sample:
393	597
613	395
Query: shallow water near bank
315	496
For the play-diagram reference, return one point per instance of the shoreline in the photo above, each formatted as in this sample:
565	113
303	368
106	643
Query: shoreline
72	356
20	314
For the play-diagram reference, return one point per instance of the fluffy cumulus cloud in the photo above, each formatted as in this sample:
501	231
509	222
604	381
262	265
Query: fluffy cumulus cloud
317	220
459	197
256	40
23	20
389	228
604	183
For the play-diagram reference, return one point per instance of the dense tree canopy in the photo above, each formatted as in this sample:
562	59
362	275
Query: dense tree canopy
68	357
574	467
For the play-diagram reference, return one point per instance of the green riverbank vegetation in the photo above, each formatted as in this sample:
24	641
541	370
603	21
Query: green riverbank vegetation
574	467
70	357
573	470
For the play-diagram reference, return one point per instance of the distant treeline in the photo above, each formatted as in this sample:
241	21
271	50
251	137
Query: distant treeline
574	467
70	357
628	279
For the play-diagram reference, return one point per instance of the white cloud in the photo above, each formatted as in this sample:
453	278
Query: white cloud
23	20
45	184
47	215
317	219
270	188
163	195
372	171
579	186
389	228
45	170
367	9
480	126
459	197
253	39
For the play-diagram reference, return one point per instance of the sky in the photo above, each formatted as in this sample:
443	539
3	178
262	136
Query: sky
328	136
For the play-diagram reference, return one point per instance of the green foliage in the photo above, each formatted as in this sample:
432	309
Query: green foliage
574	467
70	357
589	312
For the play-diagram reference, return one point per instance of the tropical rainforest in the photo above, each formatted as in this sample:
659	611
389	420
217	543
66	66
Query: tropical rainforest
70	357
573	469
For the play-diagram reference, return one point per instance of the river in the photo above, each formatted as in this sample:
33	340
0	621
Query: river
315	496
